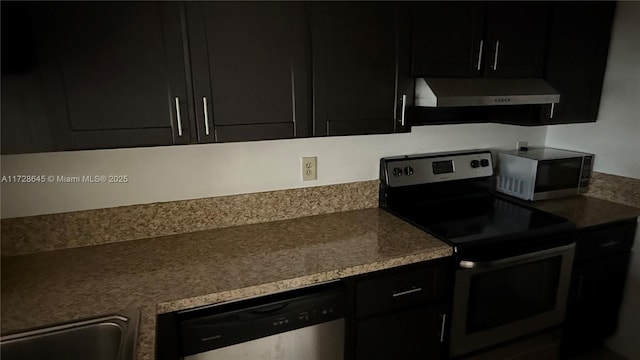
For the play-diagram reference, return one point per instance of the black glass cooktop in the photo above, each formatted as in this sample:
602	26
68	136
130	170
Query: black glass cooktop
481	221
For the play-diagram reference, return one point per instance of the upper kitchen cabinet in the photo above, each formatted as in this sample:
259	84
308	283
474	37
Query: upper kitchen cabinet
448	38
477	39
577	58
104	75
251	67
361	70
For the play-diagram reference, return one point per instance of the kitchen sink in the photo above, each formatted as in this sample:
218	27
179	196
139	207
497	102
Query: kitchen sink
111	337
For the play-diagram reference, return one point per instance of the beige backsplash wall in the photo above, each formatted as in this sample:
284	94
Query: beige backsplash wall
173	173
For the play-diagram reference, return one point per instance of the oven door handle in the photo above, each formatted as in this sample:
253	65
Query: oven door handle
466	264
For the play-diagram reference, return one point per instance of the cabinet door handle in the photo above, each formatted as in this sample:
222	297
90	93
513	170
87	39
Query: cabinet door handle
404	109
495	56
553	106
580	283
480	54
444	322
402	293
178	116
610	243
205	108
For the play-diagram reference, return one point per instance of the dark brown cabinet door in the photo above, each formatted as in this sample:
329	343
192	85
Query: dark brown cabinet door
474	39
411	334
598	284
113	73
577	58
25	126
359	75
516	39
448	39
251	70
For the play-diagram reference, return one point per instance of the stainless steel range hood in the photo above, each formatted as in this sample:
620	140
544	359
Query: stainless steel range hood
452	92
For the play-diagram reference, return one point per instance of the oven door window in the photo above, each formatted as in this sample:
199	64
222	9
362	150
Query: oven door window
514	293
558	174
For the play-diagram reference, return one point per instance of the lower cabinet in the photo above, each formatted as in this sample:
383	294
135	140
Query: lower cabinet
597	286
402	313
416	333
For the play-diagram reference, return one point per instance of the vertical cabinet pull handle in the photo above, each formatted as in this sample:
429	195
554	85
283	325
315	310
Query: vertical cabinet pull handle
553	106
178	116
404	108
480	54
444	322
495	56
580	284
205	108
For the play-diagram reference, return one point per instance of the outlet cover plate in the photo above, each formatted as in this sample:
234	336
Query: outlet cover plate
309	168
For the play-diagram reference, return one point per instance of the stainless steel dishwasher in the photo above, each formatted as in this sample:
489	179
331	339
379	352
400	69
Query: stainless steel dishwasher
306	324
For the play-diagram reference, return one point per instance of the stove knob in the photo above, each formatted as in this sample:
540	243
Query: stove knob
475	163
408	170
397	172
484	162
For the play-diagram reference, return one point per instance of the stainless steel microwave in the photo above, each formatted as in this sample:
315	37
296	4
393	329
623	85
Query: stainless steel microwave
543	173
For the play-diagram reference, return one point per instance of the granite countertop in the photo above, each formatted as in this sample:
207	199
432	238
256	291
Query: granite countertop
170	273
164	274
586	211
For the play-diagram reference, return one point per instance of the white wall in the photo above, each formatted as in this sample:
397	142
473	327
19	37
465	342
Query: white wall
615	136
196	171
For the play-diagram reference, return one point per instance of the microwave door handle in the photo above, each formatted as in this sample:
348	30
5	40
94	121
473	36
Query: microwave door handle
465	264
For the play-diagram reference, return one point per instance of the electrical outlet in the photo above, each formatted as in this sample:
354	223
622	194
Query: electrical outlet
522	145
309	168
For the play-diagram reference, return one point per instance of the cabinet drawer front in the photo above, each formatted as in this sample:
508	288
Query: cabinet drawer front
400	289
605	240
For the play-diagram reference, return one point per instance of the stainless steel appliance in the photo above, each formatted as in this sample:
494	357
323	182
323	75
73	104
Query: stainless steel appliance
303	324
513	263
543	173
450	92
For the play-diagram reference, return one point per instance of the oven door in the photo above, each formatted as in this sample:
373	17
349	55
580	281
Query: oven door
504	299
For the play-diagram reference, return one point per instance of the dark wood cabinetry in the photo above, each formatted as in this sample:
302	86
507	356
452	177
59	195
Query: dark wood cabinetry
360	67
577	57
107	75
446	39
475	39
91	75
517	39
597	286
403	313
251	70
124	74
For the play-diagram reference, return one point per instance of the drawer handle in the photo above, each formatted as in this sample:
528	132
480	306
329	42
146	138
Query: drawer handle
402	293
610	243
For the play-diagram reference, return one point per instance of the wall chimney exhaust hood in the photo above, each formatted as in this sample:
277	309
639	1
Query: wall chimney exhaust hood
454	92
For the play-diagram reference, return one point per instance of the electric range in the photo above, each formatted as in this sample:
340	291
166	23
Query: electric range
513	263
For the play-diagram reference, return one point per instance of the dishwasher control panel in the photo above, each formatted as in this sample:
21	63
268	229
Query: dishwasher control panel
219	326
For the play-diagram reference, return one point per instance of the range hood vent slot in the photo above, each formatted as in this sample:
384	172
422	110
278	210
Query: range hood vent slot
454	92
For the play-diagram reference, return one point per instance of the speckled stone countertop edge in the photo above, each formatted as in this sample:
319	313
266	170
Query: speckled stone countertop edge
303	281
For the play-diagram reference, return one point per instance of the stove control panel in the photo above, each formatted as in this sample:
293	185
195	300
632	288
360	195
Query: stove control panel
429	168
